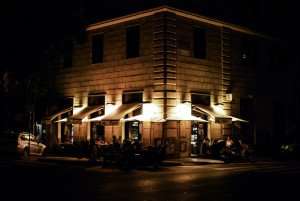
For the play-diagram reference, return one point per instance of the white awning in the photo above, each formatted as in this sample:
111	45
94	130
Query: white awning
95	119
144	118
62	120
214	116
84	113
186	118
235	119
121	111
63	111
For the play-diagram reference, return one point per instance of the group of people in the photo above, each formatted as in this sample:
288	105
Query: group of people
127	146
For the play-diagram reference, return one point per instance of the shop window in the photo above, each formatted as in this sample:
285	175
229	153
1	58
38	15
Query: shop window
199	43
133	42
97	49
132	97
94	100
201	99
68	53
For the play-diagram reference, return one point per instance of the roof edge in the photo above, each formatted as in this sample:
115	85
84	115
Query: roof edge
178	12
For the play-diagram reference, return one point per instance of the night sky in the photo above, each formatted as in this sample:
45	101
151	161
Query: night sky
29	27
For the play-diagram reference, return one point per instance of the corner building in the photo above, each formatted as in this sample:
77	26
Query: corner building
160	75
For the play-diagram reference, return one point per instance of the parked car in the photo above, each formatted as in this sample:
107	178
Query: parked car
17	145
34	147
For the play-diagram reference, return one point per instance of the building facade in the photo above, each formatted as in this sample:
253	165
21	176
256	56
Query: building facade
159	76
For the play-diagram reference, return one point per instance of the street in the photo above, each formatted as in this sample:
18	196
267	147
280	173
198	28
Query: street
36	180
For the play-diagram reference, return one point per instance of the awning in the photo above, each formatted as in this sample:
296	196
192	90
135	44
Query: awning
60	112
95	119
84	113
144	118
187	118
214	116
235	119
62	120
121	111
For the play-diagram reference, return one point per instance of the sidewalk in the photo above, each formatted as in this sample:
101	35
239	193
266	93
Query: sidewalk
66	160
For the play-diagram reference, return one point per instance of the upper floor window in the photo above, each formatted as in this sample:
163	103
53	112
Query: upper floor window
132	97
97	49
68	53
200	99
133	42
199	43
94	100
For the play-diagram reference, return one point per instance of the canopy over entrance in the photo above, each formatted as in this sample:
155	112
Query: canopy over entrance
215	116
186	118
118	113
84	113
144	118
54	116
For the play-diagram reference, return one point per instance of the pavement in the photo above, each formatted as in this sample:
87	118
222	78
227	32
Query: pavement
168	162
189	161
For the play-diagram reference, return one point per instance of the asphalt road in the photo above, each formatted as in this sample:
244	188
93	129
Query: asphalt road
34	180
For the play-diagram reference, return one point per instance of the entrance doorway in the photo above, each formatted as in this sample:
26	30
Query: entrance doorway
66	133
198	135
97	131
132	130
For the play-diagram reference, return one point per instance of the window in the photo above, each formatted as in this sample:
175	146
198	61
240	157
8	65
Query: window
132	97
199	43
201	99
97	49
94	100
133	42
68	53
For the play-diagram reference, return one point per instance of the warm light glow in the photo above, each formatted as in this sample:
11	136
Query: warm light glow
109	108
150	110
183	110
76	110
62	120
218	109
85	119
143	118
